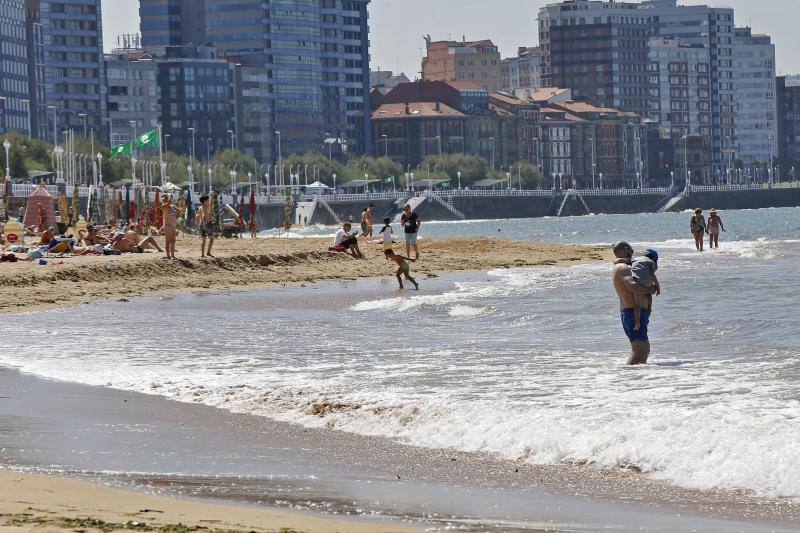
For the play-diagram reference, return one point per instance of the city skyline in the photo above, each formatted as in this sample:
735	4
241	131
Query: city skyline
454	19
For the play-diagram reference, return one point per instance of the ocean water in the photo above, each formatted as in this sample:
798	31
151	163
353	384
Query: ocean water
524	364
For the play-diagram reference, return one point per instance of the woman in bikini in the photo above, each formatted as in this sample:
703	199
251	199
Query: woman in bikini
170	227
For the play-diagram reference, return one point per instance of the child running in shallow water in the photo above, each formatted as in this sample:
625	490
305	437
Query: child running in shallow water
404	269
643	270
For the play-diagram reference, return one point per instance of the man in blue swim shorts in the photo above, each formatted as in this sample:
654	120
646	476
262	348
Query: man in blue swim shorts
626	287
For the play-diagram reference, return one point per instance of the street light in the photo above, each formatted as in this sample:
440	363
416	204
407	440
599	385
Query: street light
230	132
84	117
280	158
459	179
7	145
334	183
232	174
385	145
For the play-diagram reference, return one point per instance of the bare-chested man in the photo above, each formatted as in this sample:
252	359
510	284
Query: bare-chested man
626	287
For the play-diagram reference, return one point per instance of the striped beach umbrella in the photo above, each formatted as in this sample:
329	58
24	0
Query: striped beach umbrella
287	211
126	205
76	206
147	214
157	217
216	218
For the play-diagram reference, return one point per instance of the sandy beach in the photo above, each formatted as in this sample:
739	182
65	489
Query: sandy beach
46	503
240	263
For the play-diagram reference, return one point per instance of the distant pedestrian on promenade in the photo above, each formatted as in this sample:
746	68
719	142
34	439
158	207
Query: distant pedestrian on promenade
698	227
714	226
411	223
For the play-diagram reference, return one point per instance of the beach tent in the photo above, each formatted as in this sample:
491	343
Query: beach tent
39	198
316	188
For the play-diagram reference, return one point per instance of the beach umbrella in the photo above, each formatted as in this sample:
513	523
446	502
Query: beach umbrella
189	210
252	205
120	204
287	211
76	206
63	208
216	219
158	216
89	206
147	213
130	205
181	207
96	205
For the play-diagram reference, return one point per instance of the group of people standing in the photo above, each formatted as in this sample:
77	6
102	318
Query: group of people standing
347	241
711	227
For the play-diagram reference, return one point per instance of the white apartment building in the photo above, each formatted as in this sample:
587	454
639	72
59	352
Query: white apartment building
680	89
757	123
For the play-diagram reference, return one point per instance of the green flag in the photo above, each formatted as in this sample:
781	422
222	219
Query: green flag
147	140
121	150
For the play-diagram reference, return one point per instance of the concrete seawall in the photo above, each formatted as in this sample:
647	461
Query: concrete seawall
563	203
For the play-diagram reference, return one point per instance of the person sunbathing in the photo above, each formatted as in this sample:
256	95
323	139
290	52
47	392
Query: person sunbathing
91	237
134	239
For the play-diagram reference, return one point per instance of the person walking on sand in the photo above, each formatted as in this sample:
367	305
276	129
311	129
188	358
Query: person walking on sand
698	227
368	217
411	223
627	288
403	268
714	225
206	225
170	228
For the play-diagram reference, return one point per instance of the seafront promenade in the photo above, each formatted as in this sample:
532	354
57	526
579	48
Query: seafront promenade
329	208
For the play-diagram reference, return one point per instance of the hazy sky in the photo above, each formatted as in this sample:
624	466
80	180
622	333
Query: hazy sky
397	26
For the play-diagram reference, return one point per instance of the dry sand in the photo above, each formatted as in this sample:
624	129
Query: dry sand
43	503
241	263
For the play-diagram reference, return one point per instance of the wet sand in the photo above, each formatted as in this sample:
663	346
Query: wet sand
170	448
240	263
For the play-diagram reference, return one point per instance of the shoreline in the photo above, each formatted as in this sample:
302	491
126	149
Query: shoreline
187	450
244	263
30	502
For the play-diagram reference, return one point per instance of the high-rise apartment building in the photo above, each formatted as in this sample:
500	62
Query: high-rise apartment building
15	81
171	23
197	100
253	112
132	94
471	61
756	120
600	50
522	72
75	79
316	54
789	130
41	125
680	87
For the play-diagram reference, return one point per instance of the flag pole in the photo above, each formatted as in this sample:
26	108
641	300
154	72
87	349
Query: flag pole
161	157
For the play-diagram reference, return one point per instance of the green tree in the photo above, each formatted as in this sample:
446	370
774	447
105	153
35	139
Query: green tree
380	168
316	162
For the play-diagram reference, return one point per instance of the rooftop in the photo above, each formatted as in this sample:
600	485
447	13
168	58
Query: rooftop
415	110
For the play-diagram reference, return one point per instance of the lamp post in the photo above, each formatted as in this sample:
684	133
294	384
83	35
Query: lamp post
7	145
210	178
334	183
191	152
84	117
601	181
594	166
385	145
519	177
55	125
280	159
459	179
232	174
671	179
28	109
230	132
508	177
491	140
